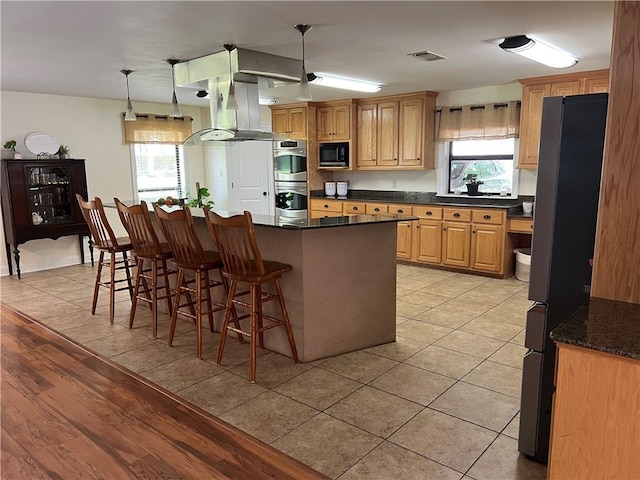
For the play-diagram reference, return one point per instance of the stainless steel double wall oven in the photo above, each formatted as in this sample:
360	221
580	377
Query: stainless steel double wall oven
290	174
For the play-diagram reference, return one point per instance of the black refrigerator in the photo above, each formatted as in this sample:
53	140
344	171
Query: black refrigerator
564	230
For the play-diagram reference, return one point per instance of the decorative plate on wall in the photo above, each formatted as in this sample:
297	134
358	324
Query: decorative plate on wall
40	143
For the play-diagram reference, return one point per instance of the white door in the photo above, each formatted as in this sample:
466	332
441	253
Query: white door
250	170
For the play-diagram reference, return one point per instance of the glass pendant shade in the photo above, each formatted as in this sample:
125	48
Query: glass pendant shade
129	115
303	90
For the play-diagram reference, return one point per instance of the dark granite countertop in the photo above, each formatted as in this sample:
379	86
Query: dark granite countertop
513	205
605	325
519	214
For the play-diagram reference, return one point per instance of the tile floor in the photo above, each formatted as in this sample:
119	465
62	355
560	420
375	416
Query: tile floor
441	402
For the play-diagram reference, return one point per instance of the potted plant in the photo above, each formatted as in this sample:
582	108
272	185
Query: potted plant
63	151
473	183
9	150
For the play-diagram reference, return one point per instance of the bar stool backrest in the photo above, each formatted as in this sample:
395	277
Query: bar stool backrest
95	216
180	231
137	220
235	238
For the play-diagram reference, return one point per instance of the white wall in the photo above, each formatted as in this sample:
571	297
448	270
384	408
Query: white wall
426	181
92	128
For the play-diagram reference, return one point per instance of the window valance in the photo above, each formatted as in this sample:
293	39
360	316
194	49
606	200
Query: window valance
479	122
150	128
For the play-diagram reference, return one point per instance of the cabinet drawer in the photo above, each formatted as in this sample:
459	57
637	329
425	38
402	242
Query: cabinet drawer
521	225
326	205
456	214
375	208
351	208
492	216
427	211
400	209
324	213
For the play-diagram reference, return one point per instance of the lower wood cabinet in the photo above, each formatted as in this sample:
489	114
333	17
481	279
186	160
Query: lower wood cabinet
470	239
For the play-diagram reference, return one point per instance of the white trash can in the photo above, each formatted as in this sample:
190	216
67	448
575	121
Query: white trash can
523	263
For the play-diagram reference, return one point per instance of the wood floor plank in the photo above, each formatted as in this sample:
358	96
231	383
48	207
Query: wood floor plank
68	413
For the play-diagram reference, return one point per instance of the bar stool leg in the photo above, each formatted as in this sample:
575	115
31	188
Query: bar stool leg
207	291
260	324
225	322
287	323
154	298
128	272
112	287
255	299
199	314
97	284
165	274
176	303
136	289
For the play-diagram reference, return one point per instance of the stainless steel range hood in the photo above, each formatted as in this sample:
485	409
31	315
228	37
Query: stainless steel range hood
251	71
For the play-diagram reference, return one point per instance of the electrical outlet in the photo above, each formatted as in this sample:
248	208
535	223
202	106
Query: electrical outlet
393	184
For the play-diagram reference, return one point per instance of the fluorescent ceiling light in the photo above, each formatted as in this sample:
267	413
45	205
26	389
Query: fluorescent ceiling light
335	81
538	51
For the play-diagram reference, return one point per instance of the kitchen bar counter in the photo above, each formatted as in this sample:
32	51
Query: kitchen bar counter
341	293
514	205
604	325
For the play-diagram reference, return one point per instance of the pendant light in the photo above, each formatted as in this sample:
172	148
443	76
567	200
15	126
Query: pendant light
130	115
303	93
175	107
232	103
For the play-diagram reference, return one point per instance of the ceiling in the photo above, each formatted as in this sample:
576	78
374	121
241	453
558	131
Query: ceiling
79	47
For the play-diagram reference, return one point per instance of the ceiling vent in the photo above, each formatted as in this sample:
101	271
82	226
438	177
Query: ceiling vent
427	56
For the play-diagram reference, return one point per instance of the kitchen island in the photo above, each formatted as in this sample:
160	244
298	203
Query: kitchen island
341	293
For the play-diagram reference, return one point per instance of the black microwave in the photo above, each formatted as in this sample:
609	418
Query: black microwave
334	154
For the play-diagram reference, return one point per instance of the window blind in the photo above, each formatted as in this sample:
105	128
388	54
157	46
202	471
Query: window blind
163	129
479	122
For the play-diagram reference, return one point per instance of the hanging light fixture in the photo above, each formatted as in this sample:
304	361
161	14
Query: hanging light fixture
175	107
232	103
130	115
538	51
303	93
335	81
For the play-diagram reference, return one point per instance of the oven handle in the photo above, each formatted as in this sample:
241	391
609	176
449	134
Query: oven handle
301	191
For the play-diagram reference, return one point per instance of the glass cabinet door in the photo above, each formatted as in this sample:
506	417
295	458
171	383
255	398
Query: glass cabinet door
49	195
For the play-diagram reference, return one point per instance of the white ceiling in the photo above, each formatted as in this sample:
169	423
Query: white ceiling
79	47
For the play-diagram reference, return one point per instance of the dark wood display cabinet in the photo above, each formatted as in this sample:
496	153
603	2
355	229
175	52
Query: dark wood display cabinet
38	201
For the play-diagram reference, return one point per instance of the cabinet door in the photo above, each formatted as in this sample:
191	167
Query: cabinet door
404	242
487	247
325	123
342	122
280	121
367	135
456	244
387	134
428	241
562	89
530	123
411	132
597	85
298	123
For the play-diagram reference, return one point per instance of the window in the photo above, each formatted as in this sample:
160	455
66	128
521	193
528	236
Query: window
159	171
490	160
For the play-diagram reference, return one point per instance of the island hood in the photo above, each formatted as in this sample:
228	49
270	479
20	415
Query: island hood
252	71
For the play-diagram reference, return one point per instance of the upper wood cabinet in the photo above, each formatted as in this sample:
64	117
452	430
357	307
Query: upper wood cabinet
396	133
291	121
334	122
534	91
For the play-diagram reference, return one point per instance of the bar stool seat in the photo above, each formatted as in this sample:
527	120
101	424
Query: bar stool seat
191	258
243	264
107	243
148	249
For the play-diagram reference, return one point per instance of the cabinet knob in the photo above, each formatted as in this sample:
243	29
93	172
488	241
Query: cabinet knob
400	211
376	209
428	212
444	228
326	206
456	214
418	158
355	208
486	217
531	226
473	231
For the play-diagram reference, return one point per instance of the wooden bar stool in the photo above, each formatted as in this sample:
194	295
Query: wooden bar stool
191	258
106	242
148	248
242	263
